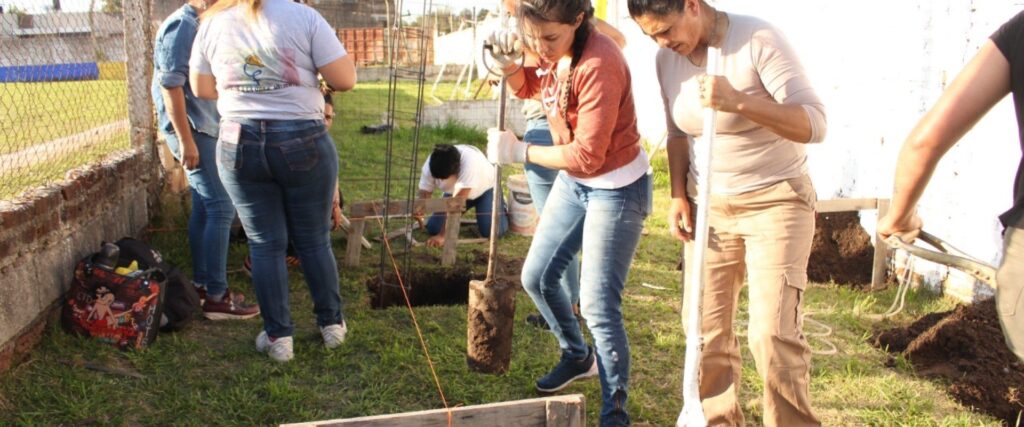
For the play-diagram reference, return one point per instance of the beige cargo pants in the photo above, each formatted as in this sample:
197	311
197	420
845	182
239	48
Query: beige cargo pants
764	235
1010	290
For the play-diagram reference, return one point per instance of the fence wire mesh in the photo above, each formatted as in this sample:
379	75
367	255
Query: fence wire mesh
63	93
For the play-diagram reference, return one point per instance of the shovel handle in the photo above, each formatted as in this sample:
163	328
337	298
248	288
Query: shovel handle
946	255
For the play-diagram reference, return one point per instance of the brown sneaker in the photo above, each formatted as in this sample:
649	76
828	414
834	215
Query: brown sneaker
237	298
229	307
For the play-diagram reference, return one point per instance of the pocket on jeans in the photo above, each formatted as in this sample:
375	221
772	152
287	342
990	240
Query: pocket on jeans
802	188
302	154
229	155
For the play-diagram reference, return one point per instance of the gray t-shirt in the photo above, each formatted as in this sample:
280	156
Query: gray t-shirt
266	68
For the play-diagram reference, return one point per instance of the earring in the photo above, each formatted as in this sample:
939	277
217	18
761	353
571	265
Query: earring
203	5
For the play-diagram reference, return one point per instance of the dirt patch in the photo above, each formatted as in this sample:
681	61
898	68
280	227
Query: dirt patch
896	340
841	251
507	268
965	348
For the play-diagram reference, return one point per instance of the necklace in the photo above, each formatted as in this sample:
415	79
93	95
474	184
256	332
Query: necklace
716	38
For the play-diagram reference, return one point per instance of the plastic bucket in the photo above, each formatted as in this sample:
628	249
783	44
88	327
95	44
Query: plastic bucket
521	212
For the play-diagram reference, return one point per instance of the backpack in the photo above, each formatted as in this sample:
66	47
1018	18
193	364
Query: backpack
119	306
182	300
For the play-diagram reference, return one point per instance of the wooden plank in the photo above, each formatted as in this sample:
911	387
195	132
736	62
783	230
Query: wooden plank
346	225
355	237
399	232
451	237
401	208
566	414
521	413
845	205
882	250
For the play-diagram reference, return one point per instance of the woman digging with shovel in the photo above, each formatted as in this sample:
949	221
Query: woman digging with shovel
761	208
599	200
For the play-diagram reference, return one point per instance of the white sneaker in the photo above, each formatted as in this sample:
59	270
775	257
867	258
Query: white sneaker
334	335
280	349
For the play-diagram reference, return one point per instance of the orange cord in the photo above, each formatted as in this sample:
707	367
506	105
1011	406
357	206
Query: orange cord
416	324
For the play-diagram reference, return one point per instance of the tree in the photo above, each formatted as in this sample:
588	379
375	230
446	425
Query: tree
112	6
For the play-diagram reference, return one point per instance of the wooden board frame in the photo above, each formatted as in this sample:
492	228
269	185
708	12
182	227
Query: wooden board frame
555	411
360	213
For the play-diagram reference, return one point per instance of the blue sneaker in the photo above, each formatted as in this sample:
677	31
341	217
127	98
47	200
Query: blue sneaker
568	370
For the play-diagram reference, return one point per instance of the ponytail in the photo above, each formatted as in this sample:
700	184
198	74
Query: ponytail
255	6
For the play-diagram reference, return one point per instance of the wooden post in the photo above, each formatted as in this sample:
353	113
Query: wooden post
878	269
451	237
355	242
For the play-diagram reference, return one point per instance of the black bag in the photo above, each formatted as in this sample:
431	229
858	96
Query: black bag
182	300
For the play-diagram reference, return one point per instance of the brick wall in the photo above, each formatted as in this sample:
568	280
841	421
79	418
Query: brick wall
42	239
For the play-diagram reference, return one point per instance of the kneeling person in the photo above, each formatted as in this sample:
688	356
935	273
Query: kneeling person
461	171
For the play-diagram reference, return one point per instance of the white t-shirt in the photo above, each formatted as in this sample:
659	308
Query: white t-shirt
267	68
475	173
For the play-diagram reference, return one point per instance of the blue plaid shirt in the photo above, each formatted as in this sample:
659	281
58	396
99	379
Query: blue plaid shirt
170	70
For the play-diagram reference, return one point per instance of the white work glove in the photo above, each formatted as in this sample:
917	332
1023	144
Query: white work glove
505	47
504	148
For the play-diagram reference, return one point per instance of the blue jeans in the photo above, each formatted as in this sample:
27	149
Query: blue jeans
606	225
281	176
483	206
209	225
540	179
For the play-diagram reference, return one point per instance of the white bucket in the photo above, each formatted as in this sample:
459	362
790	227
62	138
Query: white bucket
521	212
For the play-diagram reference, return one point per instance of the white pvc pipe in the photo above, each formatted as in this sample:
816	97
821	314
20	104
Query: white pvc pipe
692	414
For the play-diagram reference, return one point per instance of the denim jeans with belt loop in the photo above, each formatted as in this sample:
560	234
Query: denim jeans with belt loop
540	180
606	225
281	176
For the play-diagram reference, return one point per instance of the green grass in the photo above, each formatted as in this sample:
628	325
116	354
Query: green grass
53	170
33	113
210	374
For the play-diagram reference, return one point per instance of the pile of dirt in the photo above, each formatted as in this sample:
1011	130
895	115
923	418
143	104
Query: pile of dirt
841	251
965	347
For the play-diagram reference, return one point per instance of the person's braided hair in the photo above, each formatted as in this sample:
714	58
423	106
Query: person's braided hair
563	12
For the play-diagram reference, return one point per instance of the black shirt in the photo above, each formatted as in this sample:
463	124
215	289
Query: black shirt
1010	40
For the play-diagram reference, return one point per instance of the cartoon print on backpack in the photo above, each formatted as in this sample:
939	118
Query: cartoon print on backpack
121	310
101	307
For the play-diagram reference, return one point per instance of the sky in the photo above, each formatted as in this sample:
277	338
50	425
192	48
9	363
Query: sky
414	7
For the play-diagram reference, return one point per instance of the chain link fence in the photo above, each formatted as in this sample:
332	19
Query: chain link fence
64	91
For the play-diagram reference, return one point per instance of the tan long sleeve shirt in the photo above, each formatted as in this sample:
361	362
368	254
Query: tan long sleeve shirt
757	60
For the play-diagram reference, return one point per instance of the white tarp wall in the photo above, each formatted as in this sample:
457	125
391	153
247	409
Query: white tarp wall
878	66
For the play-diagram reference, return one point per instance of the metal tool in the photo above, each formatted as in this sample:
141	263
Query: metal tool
946	255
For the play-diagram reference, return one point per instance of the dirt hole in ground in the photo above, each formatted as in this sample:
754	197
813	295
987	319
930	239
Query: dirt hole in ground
841	251
428	283
965	348
425	285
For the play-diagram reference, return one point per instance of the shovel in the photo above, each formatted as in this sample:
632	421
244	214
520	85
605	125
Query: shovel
492	303
692	414
946	255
